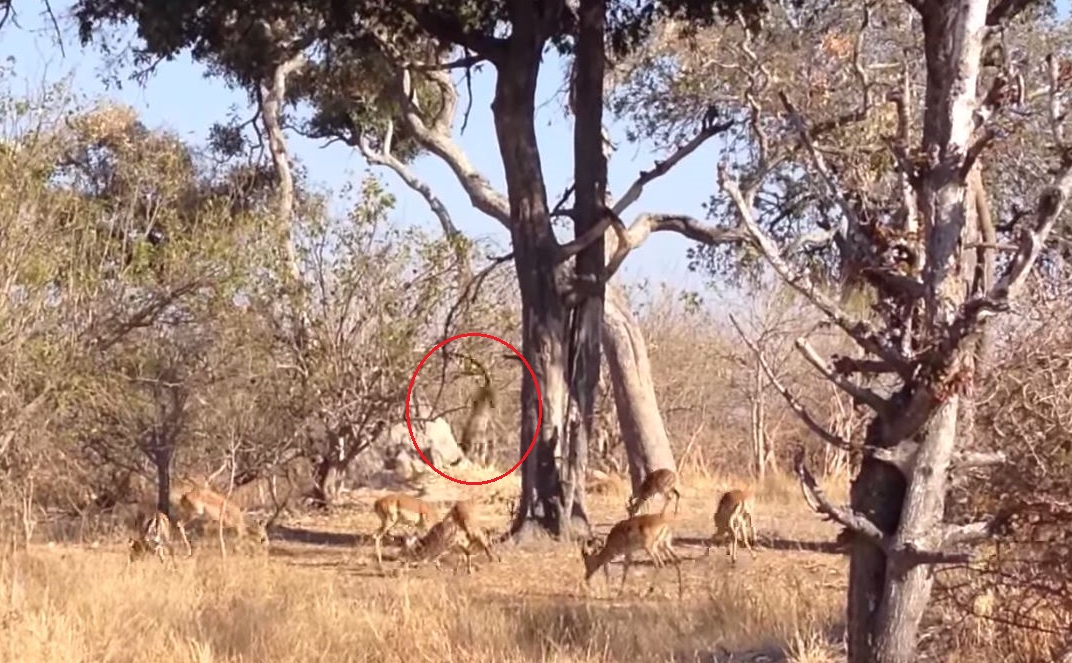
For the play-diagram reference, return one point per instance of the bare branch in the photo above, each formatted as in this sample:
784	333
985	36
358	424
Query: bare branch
966	460
481	193
859	394
972	533
861	331
1051	204
910	553
794	404
829	184
411	180
708	130
848	365
845	517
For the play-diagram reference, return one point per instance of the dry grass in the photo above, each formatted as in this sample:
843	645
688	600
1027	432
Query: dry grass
329	602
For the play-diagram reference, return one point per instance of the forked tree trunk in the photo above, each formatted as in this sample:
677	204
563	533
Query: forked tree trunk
544	317
590	186
643	433
888	597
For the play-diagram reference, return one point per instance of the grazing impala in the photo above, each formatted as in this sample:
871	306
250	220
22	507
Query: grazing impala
463	515
650	532
733	516
445	536
396	508
200	502
658	482
154	537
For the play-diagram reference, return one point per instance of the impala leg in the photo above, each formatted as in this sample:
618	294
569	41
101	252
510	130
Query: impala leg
377	538
677	566
752	530
657	562
181	526
626	563
748	532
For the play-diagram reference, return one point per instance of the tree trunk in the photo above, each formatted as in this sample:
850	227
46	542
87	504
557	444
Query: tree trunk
590	186
888	597
643	433
162	460
759	424
544	317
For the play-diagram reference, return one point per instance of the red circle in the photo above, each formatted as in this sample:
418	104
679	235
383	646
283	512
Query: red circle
539	402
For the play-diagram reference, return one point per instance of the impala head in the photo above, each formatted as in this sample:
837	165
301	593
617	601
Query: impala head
590	554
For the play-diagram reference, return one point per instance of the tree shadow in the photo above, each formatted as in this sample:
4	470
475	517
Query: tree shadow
321	538
767	542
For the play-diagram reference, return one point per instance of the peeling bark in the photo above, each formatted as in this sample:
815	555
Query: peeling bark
889	594
643	432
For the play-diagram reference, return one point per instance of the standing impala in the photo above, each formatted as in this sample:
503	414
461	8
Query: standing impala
658	482
203	502
733	517
650	532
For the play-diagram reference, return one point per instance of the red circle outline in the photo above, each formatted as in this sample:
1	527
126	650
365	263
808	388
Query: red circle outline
539	403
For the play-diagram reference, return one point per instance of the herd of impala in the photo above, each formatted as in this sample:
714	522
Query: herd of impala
457	531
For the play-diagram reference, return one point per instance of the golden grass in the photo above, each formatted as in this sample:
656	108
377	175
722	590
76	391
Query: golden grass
330	603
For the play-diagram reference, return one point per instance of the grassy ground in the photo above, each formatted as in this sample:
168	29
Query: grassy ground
319	596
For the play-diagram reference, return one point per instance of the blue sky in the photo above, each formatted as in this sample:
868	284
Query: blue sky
180	98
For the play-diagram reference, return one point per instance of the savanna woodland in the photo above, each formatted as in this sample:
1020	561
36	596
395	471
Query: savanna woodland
196	337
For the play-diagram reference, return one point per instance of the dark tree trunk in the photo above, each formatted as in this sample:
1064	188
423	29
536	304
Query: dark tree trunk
590	186
544	317
162	460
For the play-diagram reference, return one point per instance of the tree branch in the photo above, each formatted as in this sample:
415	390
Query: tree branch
859	394
448	27
709	129
845	517
794	404
481	193
385	158
862	332
909	554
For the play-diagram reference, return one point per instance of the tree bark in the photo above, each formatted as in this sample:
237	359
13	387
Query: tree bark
162	460
888	595
544	317
643	433
590	187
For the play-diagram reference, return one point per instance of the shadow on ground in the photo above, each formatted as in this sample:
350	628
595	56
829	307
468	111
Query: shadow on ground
767	542
321	538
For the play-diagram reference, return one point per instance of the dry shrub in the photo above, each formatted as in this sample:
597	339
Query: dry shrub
706	377
1020	593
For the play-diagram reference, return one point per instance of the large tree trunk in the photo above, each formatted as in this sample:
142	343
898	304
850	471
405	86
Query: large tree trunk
544	317
888	596
162	461
643	432
590	186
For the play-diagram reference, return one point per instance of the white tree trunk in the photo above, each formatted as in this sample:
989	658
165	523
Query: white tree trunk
643	431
